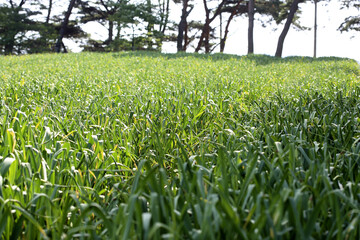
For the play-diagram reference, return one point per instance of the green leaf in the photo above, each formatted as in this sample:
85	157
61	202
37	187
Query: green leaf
5	165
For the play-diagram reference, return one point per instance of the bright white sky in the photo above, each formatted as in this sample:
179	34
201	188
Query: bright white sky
331	42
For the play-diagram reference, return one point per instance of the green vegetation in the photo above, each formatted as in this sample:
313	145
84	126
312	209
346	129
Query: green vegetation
151	146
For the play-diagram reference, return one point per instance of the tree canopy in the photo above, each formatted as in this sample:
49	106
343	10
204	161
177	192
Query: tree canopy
351	22
34	26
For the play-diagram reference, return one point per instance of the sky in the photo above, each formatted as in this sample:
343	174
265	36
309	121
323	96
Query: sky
331	42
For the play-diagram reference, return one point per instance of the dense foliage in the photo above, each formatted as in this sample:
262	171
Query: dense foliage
351	22
150	146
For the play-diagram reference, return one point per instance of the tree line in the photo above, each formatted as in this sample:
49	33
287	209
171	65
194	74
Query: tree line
38	26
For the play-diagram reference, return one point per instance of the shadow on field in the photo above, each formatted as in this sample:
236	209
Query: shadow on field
258	59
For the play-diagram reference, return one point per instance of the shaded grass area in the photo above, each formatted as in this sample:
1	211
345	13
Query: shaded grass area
150	146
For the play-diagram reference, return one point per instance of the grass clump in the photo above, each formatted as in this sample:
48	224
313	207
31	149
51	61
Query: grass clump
150	146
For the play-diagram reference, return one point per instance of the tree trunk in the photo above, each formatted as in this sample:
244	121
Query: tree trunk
182	38
205	34
49	11
207	37
10	36
110	33
9	46
64	47
221	30
166	21
233	13
181	26
150	26
117	37
133	38
64	26
290	17
165	17
186	36
205	27
315	28
118	31
251	27
223	40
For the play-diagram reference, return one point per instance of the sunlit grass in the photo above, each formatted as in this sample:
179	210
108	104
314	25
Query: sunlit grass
145	145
